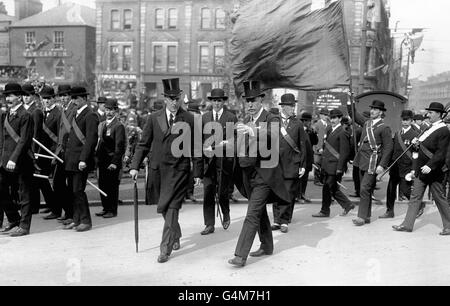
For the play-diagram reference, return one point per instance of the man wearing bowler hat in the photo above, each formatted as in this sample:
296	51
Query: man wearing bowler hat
336	150
429	169
101	111
292	159
218	168
398	172
110	151
321	127
373	156
16	161
160	131
79	158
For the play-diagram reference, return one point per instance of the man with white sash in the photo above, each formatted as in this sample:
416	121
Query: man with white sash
429	169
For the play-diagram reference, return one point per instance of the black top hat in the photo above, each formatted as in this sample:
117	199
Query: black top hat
172	87
437	107
217	93
252	89
306	116
13	89
324	111
274	110
111	103
418	117
157	105
28	89
78	91
336	113
194	107
102	100
47	92
378	104
406	114
288	99
64	90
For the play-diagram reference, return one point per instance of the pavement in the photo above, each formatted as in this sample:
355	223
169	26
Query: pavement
330	251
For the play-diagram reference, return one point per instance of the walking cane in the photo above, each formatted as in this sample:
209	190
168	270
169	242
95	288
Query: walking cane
217	193
136	216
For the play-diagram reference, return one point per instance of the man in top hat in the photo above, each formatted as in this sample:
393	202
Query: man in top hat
16	161
218	165
292	159
49	138
101	112
265	184
321	127
398	172
159	134
310	141
110	151
79	158
373	156
429	169
334	164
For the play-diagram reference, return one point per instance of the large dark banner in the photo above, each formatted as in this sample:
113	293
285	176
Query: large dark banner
290	44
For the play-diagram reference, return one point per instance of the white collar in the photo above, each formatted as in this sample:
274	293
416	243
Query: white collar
333	129
79	111
255	118
108	122
168	115
15	108
375	121
219	113
100	112
406	130
324	122
48	109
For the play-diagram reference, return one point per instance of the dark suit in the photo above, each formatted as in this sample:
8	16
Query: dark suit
218	172
18	152
436	143
110	150
291	161
401	168
263	185
76	152
310	141
337	141
174	171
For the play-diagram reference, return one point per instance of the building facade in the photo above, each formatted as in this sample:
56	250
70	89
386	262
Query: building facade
435	89
57	45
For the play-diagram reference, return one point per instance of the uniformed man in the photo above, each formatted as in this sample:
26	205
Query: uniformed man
159	134
398	172
428	165
373	156
292	159
110	151
16	163
218	169
334	164
79	158
265	183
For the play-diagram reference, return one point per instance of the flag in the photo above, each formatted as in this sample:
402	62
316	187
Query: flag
290	44
416	39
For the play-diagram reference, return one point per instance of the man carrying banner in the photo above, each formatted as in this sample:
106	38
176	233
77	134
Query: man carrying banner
16	161
79	158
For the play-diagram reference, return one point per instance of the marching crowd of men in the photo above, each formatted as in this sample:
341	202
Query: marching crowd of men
66	140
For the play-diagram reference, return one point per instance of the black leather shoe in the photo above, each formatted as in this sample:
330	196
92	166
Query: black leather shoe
109	215
45	211
10	226
360	221
347	210
237	261
208	230
420	213
275	227
163	258
51	216
70	226
176	245
19	232
321	215
83	227
386	215
305	199
258	253
284	228
101	214
67	221
401	228
445	232
226	221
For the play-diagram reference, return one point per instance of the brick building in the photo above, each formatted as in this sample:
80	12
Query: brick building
435	88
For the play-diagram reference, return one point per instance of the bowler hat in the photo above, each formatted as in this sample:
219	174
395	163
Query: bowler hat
47	92
274	110
418	117
28	89
78	91
407	114
288	99
102	100
172	87
437	107
252	89
64	90
13	89
306	116
324	111
336	113
378	105
111	103
217	93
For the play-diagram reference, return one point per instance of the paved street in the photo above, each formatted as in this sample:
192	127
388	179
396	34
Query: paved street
328	251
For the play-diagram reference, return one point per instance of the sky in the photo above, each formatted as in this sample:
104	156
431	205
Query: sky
48	4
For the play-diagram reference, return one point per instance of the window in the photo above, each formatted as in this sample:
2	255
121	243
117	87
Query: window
158	58
60	69
159	18
173	18
127	19
171	58
220	19
114	58
206	18
30	40
126	62
204	59
115	20
219	57
58	39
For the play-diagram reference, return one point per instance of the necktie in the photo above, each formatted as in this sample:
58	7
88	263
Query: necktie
170	120
217	117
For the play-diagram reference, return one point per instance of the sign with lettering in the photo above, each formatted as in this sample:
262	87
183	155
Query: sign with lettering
118	76
47	53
